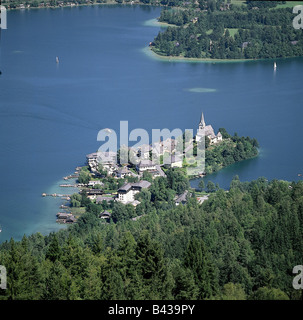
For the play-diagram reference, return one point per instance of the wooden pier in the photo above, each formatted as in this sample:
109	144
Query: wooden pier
71	176
56	195
68	185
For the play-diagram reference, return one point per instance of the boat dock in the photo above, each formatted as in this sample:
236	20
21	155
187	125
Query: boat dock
71	176
68	185
66	196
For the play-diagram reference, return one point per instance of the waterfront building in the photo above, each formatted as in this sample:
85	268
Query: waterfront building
107	159
207	131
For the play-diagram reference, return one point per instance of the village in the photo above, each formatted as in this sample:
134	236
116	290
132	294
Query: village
103	166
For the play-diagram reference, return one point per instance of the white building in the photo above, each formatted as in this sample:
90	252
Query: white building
207	131
126	194
146	165
107	159
93	183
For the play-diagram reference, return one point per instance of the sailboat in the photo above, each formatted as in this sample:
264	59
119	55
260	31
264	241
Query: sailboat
57	59
275	66
0	228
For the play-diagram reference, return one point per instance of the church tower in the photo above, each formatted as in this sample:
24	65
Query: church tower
202	122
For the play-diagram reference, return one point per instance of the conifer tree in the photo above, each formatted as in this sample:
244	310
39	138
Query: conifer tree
197	259
54	251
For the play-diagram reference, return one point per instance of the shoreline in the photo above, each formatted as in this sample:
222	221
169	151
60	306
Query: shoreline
155	23
149	52
74	5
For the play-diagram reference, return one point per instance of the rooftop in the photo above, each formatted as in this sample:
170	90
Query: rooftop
141	184
145	163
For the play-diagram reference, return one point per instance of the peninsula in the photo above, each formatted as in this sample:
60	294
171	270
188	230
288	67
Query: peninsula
221	30
106	180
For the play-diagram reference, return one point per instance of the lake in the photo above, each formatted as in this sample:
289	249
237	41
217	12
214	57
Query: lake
51	113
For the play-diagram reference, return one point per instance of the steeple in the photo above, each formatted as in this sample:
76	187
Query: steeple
202	122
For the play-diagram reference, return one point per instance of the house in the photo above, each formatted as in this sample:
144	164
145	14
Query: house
71	219
182	198
107	159
100	199
92	161
93	193
126	194
63	217
202	199
94	183
145	165
122	172
105	215
207	131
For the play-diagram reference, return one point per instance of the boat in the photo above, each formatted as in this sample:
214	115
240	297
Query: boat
0	228
275	66
57	59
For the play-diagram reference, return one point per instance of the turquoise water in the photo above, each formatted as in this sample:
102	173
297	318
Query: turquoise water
51	113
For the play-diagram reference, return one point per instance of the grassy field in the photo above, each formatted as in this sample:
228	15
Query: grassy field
238	2
232	31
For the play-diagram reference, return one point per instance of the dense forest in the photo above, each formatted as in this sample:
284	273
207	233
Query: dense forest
257	30
239	244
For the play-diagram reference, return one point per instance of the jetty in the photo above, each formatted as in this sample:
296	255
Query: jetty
56	195
68	185
71	176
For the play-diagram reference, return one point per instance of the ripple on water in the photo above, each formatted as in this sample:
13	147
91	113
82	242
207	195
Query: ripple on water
201	90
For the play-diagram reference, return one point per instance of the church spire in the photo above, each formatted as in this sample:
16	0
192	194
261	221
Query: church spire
202	122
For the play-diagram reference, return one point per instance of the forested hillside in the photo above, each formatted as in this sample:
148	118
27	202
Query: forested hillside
221	30
240	244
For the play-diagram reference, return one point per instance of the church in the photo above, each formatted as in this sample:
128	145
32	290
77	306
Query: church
207	131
